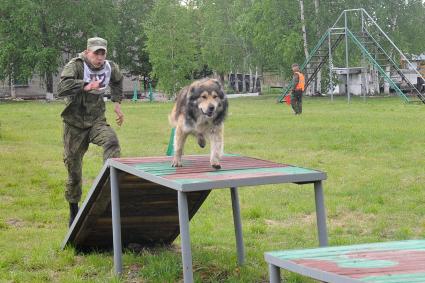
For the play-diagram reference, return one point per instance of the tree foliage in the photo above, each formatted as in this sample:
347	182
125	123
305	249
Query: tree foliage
131	38
172	44
176	40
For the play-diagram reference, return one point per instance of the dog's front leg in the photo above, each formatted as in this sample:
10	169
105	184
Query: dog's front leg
217	144
179	140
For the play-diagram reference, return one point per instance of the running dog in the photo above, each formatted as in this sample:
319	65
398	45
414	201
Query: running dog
200	110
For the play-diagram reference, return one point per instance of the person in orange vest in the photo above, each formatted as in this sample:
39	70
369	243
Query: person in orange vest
297	92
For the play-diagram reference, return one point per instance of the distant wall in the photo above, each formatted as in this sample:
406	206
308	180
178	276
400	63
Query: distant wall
35	88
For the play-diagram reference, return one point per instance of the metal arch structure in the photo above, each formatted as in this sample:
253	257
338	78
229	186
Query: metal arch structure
376	47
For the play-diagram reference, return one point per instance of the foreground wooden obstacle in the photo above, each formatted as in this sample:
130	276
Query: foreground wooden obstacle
147	202
387	262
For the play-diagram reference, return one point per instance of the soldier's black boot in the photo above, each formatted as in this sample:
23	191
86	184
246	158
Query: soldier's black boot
73	210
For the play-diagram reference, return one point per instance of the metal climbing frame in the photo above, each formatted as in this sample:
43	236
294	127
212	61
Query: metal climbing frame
375	45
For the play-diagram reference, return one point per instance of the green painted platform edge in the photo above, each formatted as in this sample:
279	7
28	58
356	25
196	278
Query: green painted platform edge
318	252
285	259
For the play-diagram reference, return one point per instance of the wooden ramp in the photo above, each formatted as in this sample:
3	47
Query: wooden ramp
149	214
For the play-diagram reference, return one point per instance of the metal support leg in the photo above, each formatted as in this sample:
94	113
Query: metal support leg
116	221
274	273
320	214
238	225
185	237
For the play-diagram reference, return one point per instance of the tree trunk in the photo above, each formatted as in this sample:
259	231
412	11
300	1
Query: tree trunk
49	86
12	87
254	85
221	75
303	28
305	39
12	82
250	81
318	80
47	75
236	82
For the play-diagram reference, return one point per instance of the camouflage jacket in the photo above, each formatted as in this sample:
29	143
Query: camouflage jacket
84	108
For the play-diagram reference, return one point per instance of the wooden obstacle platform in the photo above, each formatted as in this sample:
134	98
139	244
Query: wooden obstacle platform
389	262
147	202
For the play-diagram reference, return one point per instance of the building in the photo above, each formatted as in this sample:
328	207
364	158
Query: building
418	63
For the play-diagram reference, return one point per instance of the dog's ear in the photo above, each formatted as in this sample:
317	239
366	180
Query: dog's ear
193	93
217	83
220	88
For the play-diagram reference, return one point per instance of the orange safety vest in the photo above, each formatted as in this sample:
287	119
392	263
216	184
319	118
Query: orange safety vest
301	82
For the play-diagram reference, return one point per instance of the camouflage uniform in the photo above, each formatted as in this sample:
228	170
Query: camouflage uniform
296	98
84	121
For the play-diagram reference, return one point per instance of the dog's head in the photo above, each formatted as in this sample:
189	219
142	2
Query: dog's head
208	96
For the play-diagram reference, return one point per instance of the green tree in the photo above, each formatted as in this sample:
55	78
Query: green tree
171	44
16	55
274	29
222	48
36	34
131	38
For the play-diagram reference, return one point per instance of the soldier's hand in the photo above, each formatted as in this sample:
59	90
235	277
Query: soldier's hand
95	84
92	85
120	115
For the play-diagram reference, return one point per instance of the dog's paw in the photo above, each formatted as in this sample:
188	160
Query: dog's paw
216	166
176	163
201	141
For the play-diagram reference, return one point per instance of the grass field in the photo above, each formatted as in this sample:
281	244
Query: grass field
373	153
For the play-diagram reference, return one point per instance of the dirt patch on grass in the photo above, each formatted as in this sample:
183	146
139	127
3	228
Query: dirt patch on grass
345	219
15	223
132	274
6	199
292	221
213	273
349	217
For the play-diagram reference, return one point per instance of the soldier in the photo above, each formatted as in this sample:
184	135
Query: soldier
297	92
83	82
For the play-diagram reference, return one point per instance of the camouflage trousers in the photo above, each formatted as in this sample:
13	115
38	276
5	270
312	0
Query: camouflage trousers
76	142
296	101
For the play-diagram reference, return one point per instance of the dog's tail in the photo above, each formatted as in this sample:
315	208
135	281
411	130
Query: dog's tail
172	121
179	106
172	118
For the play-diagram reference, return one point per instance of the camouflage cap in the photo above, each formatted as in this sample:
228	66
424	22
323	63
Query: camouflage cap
96	43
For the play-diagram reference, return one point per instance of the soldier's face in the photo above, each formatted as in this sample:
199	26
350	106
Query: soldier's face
96	58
